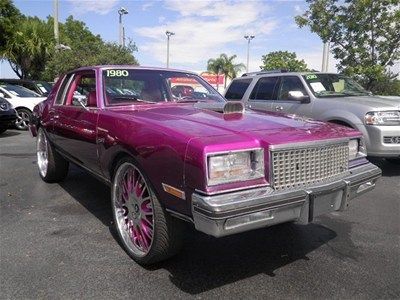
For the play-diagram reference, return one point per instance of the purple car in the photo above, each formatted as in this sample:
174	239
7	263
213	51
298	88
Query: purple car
172	160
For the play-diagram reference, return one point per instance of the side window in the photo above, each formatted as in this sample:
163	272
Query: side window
84	86
264	89
62	90
290	84
237	89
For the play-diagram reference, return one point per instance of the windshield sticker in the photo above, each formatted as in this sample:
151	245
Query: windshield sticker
311	76
117	73
42	88
317	87
14	93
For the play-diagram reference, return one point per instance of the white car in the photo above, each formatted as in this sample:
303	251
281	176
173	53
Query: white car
23	100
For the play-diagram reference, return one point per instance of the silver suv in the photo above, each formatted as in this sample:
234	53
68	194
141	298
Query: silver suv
327	97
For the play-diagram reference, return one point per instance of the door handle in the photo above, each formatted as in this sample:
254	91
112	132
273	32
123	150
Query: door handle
278	108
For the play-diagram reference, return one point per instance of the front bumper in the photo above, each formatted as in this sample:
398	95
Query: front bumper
377	144
235	212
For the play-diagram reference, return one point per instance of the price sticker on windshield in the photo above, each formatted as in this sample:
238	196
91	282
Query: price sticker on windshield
117	73
311	76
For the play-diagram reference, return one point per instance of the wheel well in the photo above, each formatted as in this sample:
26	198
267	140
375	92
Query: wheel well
341	123
114	162
22	107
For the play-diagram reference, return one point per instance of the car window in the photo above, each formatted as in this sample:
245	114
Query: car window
61	95
264	88
290	84
83	85
237	89
19	91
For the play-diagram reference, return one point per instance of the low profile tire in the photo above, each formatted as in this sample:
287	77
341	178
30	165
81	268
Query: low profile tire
52	166
147	232
394	160
24	117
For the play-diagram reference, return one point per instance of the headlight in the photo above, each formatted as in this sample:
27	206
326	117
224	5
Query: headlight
235	166
382	118
356	149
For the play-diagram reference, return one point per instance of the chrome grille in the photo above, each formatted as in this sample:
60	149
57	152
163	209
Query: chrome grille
296	167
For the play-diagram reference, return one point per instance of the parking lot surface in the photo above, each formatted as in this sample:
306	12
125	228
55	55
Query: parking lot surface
56	241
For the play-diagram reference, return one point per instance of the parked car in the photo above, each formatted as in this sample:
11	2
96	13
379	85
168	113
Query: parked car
207	162
8	115
42	88
327	97
23	100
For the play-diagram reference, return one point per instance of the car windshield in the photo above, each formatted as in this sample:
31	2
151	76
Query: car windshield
45	87
333	85
133	86
18	91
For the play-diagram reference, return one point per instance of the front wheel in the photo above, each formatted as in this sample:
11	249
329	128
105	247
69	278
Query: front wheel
52	166
24	117
148	233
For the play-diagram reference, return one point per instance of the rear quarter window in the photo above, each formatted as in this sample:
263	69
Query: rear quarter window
237	89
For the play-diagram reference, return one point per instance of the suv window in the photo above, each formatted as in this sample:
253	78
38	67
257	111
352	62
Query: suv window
264	88
288	84
237	89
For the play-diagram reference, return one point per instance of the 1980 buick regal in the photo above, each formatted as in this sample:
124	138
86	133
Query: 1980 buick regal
170	156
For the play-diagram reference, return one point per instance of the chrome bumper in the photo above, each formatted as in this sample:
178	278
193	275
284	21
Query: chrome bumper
235	212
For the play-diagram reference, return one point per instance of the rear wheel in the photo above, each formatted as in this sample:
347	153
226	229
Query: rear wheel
148	233
24	117
52	166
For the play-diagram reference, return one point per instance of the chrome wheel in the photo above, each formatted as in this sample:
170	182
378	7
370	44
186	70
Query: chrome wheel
23	120
133	209
42	153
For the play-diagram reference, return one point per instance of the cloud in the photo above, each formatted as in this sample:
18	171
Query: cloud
147	5
204	29
161	19
101	7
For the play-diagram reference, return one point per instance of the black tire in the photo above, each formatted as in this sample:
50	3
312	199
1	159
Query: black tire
2	130
394	160
168	232
24	117
56	168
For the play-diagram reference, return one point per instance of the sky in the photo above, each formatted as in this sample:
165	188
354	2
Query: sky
203	29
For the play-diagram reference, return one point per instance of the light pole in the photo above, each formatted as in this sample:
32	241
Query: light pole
55	19
169	34
325	57
248	38
122	11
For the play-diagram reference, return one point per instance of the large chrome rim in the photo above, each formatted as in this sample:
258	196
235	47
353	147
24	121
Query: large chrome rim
41	152
133	209
22	120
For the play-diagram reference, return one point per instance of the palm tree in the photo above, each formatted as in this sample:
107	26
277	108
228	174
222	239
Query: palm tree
224	65
215	66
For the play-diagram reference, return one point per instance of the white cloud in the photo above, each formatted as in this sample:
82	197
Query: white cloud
161	19
101	7
147	5
205	29
298	9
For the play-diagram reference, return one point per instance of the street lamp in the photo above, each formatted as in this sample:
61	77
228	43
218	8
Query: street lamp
122	11
248	38
169	34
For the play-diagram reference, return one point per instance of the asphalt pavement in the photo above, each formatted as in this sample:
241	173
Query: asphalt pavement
56	242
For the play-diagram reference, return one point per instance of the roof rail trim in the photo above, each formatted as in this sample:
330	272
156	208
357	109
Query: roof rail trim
265	72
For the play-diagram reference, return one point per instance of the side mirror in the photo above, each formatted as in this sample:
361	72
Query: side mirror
80	100
299	96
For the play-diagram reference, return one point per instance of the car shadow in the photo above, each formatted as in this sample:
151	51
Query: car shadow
206	262
9	133
388	168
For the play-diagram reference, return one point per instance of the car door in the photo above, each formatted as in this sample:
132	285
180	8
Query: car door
75	124
263	93
287	104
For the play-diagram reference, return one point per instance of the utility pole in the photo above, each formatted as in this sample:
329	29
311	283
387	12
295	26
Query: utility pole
169	34
325	57
55	17
122	11
248	38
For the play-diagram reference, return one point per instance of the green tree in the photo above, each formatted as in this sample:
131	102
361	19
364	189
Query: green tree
9	17
364	35
225	65
29	48
86	49
283	60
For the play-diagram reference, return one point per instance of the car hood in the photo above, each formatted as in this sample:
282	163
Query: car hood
274	128
370	102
